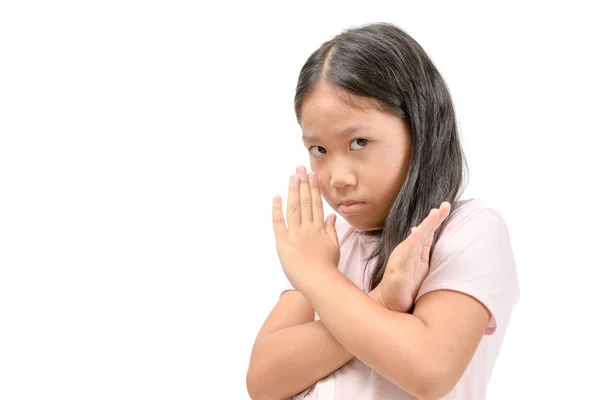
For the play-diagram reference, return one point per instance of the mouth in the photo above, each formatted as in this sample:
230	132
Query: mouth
350	207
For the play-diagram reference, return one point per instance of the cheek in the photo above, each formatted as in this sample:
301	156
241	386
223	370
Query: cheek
393	183
324	183
385	181
323	187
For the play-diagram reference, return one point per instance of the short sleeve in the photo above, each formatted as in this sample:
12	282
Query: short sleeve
473	255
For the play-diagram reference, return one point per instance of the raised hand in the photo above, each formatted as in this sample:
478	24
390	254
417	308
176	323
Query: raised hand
408	264
307	244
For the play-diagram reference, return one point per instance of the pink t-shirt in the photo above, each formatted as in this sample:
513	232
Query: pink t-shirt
473	255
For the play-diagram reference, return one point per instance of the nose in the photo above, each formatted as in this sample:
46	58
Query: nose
342	177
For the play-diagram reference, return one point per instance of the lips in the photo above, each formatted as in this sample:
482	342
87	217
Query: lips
350	207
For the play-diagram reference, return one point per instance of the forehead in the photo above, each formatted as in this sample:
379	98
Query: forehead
326	110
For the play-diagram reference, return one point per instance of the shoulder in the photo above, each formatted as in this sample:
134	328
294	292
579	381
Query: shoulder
477	209
474	255
474	225
470	219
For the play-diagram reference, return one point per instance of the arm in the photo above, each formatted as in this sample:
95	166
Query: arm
292	351
425	353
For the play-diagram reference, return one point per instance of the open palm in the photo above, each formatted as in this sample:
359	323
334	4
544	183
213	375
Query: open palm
408	265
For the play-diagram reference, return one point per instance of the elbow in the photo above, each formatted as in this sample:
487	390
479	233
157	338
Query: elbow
429	380
255	384
430	390
251	384
435	384
432	393
261	377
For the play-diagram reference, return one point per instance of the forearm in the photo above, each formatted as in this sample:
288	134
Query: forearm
288	361
396	345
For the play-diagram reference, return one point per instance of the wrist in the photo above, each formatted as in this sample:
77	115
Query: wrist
315	278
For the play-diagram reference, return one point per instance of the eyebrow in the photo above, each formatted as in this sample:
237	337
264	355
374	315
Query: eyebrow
346	132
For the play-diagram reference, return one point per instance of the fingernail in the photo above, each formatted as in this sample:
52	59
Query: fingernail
311	176
293	179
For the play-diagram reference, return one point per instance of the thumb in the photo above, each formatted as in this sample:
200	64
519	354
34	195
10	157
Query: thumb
330	229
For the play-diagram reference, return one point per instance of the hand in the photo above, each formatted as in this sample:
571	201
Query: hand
408	264
308	244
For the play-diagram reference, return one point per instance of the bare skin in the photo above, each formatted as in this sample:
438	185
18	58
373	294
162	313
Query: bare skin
362	156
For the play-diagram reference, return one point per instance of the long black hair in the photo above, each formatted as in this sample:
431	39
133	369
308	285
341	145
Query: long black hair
382	63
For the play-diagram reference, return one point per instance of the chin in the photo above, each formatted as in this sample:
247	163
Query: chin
362	225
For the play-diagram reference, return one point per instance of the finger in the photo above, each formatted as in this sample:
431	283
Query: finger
409	248
435	218
416	237
428	225
278	219
317	203
330	229
445	208
426	248
441	214
293	204
306	216
434	221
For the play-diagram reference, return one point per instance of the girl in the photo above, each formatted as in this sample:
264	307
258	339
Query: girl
410	293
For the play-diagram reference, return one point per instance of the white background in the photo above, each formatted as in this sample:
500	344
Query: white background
141	144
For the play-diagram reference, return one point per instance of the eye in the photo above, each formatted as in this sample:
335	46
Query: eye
317	151
361	143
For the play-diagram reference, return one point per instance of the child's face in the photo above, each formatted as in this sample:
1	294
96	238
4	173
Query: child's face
367	166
